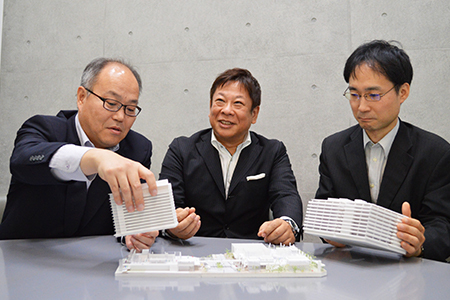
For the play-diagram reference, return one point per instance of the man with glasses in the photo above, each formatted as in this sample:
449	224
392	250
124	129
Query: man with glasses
64	167
385	160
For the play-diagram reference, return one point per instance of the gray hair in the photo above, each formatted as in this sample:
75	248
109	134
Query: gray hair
90	73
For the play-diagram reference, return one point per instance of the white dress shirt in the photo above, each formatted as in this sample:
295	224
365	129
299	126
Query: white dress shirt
227	160
65	163
376	158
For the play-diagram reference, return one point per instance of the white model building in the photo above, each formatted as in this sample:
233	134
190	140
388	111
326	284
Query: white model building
246	259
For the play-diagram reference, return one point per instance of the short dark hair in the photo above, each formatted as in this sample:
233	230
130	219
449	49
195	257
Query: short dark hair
93	69
242	76
382	57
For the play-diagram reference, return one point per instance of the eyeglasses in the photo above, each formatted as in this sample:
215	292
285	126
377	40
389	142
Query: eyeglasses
372	97
114	105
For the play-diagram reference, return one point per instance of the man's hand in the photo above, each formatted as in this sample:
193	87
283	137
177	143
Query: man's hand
277	231
411	232
188	223
141	241
122	174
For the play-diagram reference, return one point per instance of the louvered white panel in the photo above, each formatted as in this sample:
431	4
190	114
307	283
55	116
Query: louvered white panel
159	212
356	223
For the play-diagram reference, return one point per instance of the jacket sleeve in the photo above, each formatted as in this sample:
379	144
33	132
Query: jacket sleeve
35	143
172	170
326	189
434	213
283	192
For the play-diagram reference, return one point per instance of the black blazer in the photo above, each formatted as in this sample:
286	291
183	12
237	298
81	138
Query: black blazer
417	171
40	206
193	167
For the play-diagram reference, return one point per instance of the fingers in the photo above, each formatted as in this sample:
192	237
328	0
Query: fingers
406	209
114	187
141	241
411	232
122	174
188	223
188	227
411	244
149	177
277	231
182	213
411	226
130	185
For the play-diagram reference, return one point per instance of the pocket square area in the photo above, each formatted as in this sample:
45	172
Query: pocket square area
256	177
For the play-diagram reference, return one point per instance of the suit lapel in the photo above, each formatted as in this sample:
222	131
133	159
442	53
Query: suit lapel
246	160
354	153
72	136
211	159
397	166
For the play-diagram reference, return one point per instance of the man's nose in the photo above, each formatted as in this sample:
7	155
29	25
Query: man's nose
120	114
364	105
228	109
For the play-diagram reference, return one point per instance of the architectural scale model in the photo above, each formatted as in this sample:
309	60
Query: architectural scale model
357	223
244	260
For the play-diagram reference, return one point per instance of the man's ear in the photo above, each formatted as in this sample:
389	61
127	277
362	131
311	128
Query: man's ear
255	113
81	96
404	92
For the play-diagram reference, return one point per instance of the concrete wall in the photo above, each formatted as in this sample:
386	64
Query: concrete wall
296	49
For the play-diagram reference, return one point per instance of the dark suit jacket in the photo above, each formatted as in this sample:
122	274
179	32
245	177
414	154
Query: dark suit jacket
193	167
417	171
40	206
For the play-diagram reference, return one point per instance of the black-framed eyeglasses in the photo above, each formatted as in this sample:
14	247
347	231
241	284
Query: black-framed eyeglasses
372	97
114	105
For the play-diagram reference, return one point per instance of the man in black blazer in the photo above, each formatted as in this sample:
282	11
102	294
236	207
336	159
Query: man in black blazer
231	177
385	160
63	167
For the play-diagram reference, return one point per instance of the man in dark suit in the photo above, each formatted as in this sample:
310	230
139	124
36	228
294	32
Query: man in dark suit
385	160
63	167
231	177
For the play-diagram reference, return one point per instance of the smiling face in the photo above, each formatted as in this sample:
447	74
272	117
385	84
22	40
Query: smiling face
231	114
380	117
104	128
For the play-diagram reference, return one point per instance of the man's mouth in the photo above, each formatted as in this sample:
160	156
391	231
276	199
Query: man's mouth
365	119
225	122
116	129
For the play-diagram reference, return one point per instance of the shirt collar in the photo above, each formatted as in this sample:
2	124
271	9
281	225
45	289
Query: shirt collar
247	141
386	142
84	140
